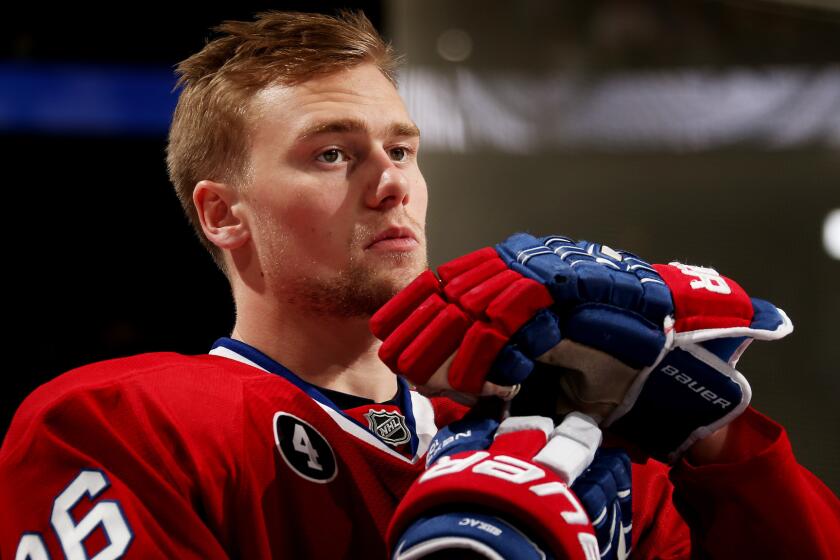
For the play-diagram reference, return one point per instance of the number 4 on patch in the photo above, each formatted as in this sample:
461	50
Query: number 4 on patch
72	534
302	444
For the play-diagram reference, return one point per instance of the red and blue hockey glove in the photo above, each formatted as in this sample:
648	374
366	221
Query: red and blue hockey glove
648	350
445	335
501	491
666	387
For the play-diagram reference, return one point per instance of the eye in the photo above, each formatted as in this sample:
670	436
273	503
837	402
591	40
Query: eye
399	153
333	155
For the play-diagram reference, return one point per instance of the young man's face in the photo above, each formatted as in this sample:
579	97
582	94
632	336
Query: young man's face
337	201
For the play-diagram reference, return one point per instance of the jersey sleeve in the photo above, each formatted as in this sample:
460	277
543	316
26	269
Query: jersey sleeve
659	530
99	473
765	505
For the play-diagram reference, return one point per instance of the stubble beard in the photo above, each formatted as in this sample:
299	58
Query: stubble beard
363	286
360	290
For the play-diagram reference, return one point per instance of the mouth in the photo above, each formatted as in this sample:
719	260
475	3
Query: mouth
394	239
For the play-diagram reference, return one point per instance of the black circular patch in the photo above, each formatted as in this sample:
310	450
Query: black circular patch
303	448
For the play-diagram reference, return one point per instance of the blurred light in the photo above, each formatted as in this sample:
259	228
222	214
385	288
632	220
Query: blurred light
683	110
87	99
454	45
831	234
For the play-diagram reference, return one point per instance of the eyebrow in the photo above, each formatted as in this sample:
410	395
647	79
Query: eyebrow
356	126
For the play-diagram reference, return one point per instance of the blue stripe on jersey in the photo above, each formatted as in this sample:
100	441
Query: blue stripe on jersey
403	398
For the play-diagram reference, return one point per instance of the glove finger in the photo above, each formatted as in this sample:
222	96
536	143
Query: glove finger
539	335
476	353
433	345
409	328
595	282
642	290
601	478
628	256
567	248
656	302
456	286
564	266
603	513
533	259
618	463
465	263
627	291
479	298
604	252
613	281
522	436
571	447
618	533
510	367
597	503
517	304
604	277
398	308
522	247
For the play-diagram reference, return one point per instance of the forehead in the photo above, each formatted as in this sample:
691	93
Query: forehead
361	93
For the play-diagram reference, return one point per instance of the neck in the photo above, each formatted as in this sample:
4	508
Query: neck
337	353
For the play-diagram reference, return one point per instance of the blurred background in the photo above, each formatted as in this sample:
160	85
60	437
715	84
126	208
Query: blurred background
703	131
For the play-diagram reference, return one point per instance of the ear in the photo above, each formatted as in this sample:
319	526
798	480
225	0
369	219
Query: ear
220	214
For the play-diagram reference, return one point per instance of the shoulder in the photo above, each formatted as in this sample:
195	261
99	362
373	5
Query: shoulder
143	389
161	374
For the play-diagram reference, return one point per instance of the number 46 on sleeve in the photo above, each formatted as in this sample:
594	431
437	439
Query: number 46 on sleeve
71	533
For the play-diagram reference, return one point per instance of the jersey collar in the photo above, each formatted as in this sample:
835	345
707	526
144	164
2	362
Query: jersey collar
245	353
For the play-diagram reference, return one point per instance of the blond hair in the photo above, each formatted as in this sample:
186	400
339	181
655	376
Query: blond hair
209	135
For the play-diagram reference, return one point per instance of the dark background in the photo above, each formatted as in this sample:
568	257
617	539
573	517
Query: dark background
101	263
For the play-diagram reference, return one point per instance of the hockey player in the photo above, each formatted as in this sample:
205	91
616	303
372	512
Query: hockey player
296	162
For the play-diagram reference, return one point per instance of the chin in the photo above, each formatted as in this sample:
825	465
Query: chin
400	270
390	282
360	290
380	285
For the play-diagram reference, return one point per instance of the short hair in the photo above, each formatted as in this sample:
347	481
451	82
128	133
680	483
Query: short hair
210	133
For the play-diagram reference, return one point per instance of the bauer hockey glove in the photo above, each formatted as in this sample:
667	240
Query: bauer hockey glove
669	357
501	491
622	338
479	328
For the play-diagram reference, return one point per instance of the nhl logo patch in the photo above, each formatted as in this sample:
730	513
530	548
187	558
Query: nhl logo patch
390	426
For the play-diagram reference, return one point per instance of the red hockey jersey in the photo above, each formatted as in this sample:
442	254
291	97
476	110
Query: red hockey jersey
230	455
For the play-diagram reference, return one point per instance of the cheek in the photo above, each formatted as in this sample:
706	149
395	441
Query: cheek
310	225
420	201
308	217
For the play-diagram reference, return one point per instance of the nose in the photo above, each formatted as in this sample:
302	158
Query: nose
389	186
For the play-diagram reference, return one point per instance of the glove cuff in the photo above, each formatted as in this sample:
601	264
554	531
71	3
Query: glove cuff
482	534
696	390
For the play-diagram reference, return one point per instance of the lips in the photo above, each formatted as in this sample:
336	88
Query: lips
393	238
